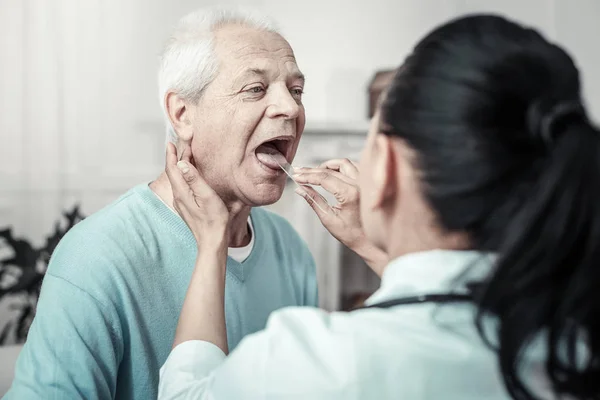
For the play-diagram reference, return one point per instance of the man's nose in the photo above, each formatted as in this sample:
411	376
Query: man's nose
283	105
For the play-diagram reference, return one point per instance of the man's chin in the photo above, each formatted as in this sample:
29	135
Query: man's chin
263	195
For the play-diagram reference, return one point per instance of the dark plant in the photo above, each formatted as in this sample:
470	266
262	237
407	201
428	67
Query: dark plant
24	270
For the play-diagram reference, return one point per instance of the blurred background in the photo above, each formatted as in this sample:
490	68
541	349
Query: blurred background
80	121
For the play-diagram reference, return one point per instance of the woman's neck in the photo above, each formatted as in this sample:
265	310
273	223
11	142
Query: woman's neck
423	238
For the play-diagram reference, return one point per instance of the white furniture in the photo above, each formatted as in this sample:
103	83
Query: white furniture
8	358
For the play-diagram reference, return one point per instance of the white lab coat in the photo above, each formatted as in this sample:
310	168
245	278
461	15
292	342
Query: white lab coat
411	352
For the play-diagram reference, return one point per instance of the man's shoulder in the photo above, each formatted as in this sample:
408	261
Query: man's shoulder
113	220
106	237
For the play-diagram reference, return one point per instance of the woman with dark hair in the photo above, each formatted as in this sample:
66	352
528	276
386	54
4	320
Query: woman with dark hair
479	184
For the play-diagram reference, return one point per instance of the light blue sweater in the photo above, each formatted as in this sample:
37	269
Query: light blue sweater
112	295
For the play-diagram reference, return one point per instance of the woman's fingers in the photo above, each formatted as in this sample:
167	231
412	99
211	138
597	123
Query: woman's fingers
329	180
316	201
186	182
178	183
196	202
333	173
186	154
347	167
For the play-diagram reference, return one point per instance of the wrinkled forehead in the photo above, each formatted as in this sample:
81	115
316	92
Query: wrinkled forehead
246	51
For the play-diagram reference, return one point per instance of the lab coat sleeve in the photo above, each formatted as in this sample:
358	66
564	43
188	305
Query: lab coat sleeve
302	354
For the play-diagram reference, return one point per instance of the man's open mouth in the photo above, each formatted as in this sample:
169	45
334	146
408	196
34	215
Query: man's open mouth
274	152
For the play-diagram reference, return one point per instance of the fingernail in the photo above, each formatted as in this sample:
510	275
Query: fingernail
296	175
183	167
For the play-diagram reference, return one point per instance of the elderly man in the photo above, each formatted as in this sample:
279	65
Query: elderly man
232	95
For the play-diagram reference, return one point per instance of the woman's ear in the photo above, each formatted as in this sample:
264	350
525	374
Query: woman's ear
385	171
179	114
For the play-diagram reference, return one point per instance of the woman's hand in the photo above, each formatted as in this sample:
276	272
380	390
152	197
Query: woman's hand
196	202
339	177
203	314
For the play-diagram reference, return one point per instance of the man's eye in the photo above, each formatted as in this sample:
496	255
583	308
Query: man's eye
298	92
256	89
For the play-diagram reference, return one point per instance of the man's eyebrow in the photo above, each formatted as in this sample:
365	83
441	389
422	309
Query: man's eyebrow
300	76
249	72
263	73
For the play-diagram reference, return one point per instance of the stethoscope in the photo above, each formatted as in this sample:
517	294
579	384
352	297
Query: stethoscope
441	298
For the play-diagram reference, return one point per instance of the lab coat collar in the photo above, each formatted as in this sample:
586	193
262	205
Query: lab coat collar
429	272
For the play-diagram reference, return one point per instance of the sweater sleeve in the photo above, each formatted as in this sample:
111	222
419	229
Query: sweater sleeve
72	349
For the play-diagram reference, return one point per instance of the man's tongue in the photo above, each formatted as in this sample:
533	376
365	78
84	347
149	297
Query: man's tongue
270	156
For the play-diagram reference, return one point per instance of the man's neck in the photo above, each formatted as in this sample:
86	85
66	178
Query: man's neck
239	233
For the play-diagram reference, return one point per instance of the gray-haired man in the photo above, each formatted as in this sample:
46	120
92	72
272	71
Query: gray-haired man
231	92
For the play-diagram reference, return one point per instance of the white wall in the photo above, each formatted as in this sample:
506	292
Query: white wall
79	115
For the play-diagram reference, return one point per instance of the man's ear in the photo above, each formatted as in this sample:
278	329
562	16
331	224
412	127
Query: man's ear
180	116
385	172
